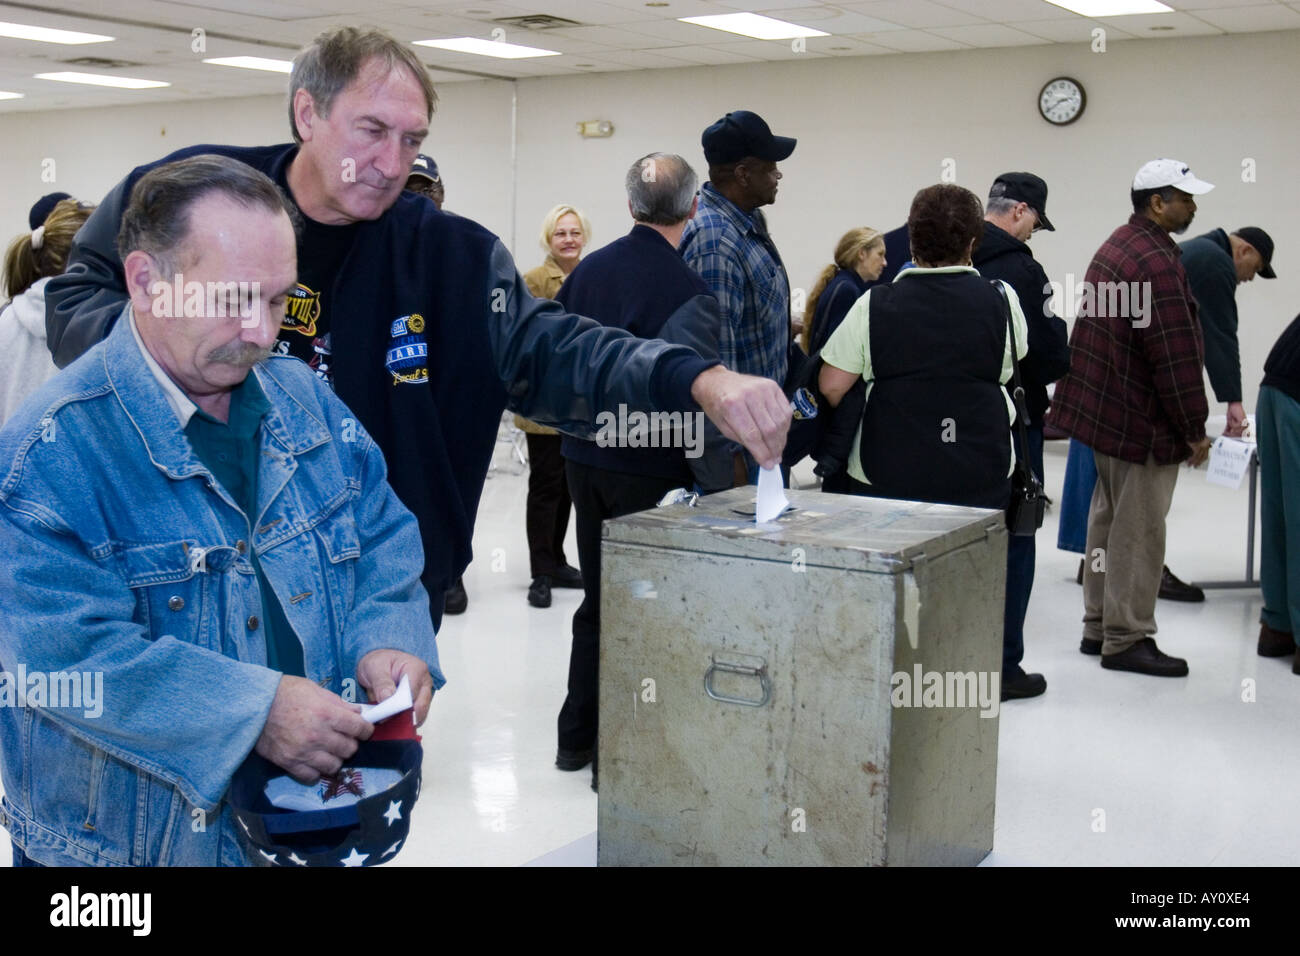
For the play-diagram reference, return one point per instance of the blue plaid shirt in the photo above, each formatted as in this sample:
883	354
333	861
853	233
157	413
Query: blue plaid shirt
735	256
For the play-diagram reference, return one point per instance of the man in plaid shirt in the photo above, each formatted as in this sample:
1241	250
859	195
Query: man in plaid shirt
1134	395
727	243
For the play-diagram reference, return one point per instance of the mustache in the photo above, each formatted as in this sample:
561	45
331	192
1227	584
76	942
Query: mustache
241	353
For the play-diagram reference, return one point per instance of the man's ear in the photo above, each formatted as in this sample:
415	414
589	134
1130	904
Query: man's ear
695	206
149	291
304	113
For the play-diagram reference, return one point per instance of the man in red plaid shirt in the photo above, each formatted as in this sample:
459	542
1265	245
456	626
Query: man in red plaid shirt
1134	395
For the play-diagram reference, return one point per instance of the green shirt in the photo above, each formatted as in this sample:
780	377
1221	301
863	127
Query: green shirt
230	450
849	349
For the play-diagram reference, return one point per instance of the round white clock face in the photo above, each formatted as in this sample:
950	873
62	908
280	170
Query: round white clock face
1061	101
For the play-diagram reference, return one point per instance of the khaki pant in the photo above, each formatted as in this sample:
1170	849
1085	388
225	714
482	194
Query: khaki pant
1126	550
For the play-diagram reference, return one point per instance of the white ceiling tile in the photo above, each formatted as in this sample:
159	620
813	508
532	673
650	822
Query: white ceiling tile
1184	25
988	35
1003	11
914	13
611	38
833	20
776	49
711	56
1076	30
1273	16
912	41
690	34
848	46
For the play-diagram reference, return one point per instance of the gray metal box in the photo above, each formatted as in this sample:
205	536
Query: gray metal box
756	683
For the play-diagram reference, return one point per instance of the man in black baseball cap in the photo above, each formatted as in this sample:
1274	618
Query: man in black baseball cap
728	244
1216	263
1016	209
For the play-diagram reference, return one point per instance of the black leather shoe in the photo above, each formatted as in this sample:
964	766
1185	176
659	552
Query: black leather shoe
1022	686
1088	645
573	759
539	593
1145	658
1274	643
1172	589
566	576
455	600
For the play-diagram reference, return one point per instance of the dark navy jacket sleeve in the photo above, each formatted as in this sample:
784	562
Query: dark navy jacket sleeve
561	369
82	304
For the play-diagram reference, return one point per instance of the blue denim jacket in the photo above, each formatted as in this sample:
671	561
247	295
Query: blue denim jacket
121	556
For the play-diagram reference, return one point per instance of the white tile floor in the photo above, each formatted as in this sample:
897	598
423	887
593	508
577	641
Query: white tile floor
1184	770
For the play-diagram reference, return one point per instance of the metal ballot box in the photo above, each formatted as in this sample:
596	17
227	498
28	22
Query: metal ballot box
818	690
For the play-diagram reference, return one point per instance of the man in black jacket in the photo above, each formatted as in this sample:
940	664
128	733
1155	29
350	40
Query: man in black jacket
1016	209
418	319
1216	263
639	283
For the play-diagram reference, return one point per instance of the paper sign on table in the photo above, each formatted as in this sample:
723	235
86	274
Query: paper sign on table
1229	461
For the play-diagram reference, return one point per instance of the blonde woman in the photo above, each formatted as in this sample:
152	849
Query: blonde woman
859	259
31	261
565	233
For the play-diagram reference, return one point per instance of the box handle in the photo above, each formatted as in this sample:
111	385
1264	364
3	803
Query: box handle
728	668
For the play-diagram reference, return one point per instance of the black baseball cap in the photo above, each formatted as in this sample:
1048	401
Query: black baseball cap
740	134
1263	243
1029	189
45	205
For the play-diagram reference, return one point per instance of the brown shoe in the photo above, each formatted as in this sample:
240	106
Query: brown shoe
1275	643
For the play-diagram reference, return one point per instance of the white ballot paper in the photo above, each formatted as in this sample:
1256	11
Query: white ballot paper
771	495
1229	461
400	701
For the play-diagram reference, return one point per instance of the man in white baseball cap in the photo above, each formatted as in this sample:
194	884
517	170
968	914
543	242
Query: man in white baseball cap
1169	186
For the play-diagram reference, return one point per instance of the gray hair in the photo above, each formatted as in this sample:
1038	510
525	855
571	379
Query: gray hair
336	57
157	217
661	188
999	204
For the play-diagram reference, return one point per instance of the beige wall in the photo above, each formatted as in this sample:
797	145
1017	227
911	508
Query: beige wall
872	130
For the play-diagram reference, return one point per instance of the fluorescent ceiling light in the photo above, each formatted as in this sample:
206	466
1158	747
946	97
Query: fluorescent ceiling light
254	63
1111	8
497	48
754	25
22	31
6	95
98	79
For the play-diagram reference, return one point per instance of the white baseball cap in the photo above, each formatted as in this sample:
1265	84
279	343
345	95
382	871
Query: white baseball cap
1169	172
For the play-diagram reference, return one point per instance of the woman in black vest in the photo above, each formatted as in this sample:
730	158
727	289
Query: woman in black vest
934	352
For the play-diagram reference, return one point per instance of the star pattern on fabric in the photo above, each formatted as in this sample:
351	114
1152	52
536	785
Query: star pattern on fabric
354	858
297	859
394	812
391	849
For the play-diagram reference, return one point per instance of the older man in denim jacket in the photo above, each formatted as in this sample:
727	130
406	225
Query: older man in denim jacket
200	556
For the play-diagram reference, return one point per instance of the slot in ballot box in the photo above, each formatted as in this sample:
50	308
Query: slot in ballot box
818	690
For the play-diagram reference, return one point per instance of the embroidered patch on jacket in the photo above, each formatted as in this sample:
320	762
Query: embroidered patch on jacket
301	311
408	354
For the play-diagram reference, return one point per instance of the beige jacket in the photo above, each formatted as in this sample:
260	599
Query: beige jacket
543	282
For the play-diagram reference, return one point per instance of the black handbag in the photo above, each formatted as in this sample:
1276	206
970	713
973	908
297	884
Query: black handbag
1028	503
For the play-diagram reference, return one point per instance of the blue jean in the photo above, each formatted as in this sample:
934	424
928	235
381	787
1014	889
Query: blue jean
22	859
1076	497
1021	555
